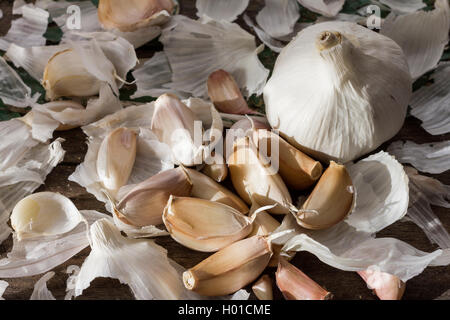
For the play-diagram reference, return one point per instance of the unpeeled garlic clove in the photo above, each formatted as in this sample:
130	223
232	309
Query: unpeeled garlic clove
217	170
144	204
263	288
204	187
115	158
127	16
295	285
175	124
251	177
331	200
44	214
229	269
298	170
386	286
66	76
204	225
225	93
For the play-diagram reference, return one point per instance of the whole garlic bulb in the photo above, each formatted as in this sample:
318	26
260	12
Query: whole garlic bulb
338	91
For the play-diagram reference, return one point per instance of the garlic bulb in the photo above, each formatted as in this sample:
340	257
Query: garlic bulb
44	214
129	15
65	75
338	91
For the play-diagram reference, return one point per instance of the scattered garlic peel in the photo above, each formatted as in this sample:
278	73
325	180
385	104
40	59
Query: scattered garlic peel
25	172
382	192
3	286
144	259
40	291
402	6
384	285
226	43
37	255
428	157
220	9
263	288
278	17
13	91
428	103
27	30
270	42
421	35
295	285
327	8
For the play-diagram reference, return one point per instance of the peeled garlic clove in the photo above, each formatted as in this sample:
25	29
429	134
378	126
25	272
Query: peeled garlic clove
204	187
204	225
331	200
229	269
66	76
263	288
298	170
44	214
129	15
225	93
116	158
386	286
175	124
252	178
295	285
144	204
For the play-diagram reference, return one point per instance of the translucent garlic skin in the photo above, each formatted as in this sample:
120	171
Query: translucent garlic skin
338	91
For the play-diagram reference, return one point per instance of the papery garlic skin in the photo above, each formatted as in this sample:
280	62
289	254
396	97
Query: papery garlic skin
65	75
128	16
338	91
44	214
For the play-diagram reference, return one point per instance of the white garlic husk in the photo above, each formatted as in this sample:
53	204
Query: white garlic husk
338	91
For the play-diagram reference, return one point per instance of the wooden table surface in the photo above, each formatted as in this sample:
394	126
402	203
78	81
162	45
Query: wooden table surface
432	283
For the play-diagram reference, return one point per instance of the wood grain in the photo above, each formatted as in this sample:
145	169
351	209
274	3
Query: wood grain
432	283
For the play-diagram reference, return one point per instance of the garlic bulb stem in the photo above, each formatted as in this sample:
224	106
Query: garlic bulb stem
328	39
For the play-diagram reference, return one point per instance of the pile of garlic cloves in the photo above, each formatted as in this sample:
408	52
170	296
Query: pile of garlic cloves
198	163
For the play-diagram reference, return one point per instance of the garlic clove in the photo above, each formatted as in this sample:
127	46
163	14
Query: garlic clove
204	225
230	268
386	286
225	93
298	170
144	204
263	288
331	200
116	158
131	15
204	187
66	76
295	285
252	178
216	171
175	124
44	214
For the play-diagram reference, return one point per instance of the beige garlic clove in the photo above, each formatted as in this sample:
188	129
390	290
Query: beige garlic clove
263	288
295	285
66	76
204	187
252	177
386	286
263	225
115	158
204	225
331	200
127	16
225	93
175	124
298	170
216	170
144	204
229	269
